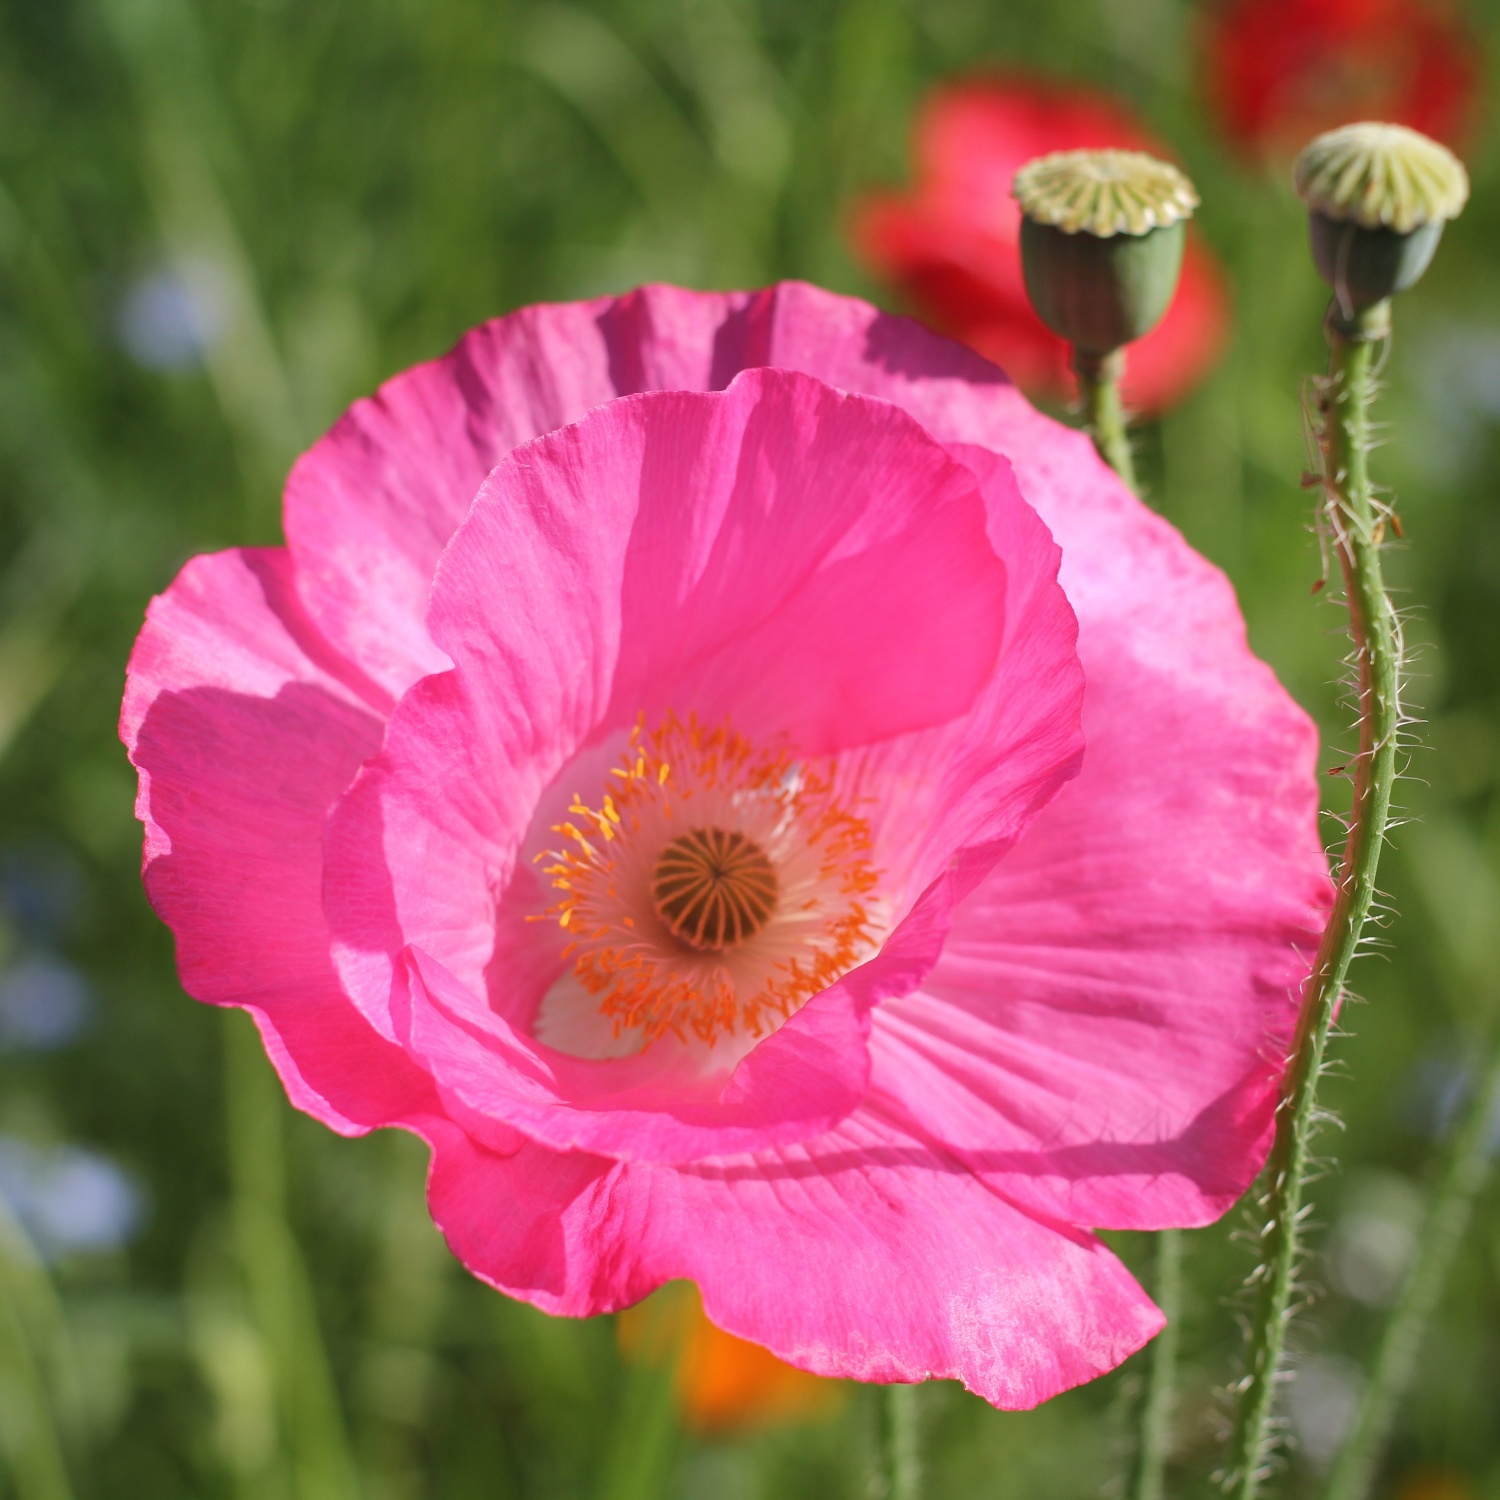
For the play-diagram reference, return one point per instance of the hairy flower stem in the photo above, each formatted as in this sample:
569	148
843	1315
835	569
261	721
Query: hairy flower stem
1466	1164
1148	1482
1357	529
1099	387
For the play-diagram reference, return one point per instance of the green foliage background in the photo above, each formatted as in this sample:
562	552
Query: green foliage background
370	179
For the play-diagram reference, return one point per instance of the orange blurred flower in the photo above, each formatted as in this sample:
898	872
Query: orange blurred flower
1436	1484
724	1384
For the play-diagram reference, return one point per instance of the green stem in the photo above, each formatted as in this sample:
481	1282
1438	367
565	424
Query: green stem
903	1442
638	1458
408	1294
1099	387
1357	530
1465	1166
1149	1479
276	1275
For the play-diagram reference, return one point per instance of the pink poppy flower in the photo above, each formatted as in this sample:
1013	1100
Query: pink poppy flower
952	243
667	771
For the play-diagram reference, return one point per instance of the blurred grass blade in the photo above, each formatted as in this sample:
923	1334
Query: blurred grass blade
589	65
47	575
29	1408
718	56
742	97
871	42
31	660
643	1440
180	116
1465	1169
408	1295
276	1276
234	1363
1461	892
1463	898
1159	1398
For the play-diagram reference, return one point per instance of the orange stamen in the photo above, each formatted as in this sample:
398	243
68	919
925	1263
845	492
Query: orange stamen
712	890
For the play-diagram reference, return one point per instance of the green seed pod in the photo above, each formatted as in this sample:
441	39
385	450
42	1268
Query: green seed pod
1377	198
1101	242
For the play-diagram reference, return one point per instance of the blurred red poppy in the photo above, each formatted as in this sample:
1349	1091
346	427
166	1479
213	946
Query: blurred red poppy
1280	71
952	244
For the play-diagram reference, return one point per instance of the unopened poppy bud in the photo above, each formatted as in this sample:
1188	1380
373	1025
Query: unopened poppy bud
1101	242
1377	197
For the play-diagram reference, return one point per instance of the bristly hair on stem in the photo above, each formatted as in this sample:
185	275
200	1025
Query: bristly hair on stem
1357	527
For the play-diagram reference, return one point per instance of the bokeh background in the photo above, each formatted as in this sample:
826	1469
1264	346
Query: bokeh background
221	221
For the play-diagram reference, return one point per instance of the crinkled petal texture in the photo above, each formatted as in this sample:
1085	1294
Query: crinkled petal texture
1078	1010
953	243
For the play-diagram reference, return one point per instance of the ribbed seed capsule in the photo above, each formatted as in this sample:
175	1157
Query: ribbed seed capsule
1378	197
713	888
1101	242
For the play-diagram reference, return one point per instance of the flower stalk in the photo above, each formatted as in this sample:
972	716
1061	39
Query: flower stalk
1148	1482
1465	1167
276	1276
1377	197
1356	526
1102	236
638	1458
902	1443
1103	414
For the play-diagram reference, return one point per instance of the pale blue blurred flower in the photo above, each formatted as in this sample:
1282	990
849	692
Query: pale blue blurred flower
44	1003
1457	367
41	888
171	317
1321	1401
1375	1236
67	1198
1440	1087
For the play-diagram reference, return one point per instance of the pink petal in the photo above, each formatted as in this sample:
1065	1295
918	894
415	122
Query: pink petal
1148	607
752	553
659	1105
371	506
244	726
956	797
1107	1025
646	559
655	1106
803	509
864	1254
